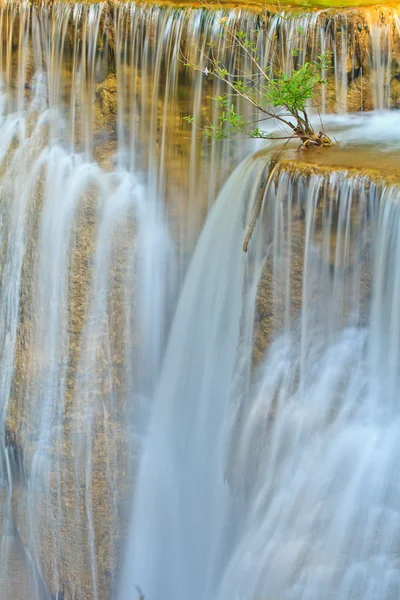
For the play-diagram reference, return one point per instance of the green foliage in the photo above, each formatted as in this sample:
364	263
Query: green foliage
278	94
229	122
293	90
223	73
241	86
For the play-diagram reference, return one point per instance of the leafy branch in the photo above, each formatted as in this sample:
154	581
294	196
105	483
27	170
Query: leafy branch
273	92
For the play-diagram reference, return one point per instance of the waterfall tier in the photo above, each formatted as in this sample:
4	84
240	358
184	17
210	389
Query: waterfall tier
117	75
104	191
267	467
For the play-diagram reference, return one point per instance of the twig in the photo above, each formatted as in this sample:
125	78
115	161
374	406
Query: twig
272	166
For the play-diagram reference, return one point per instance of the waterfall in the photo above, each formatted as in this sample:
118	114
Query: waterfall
273	477
329	405
88	274
134	108
177	484
169	403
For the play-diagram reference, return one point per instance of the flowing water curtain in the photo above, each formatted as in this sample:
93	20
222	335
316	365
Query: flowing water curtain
155	91
321	424
311	468
148	38
62	45
86	255
62	283
294	495
181	490
145	88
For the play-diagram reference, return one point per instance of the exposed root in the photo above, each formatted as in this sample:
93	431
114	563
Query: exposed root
312	140
272	166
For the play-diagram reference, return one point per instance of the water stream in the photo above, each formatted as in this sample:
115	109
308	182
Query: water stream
178	416
280	483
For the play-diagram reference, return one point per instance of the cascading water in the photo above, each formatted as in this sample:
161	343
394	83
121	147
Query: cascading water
249	411
280	483
88	268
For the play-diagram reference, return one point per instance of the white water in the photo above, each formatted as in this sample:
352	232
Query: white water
87	282
185	475
284	485
226	504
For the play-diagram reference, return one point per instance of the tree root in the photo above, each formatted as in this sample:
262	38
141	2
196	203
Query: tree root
312	140
257	209
308	140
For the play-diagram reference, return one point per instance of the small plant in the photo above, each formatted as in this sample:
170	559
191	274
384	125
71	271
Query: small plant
274	94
